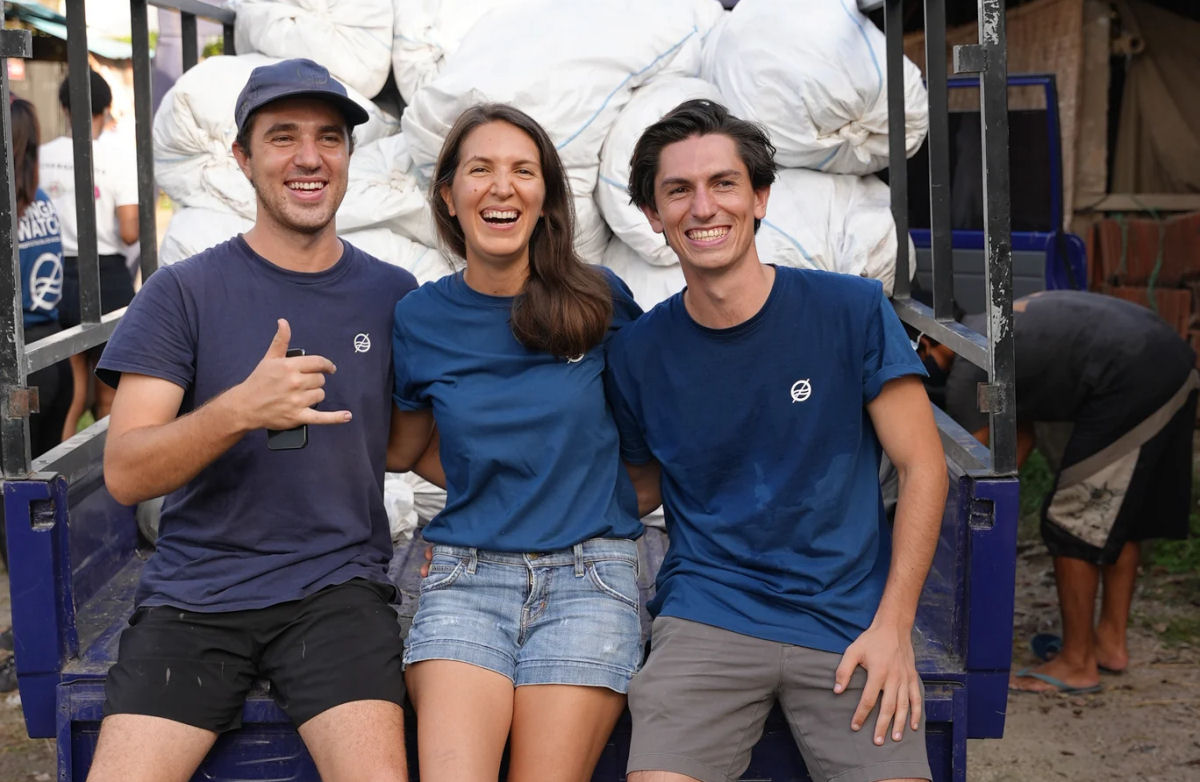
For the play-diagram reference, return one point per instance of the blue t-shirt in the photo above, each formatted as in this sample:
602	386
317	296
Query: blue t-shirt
39	244
258	527
769	461
528	444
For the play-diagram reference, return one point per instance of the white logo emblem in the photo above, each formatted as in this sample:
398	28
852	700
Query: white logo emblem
801	390
362	343
46	281
575	359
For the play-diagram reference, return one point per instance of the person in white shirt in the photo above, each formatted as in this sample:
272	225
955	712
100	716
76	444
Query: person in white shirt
115	182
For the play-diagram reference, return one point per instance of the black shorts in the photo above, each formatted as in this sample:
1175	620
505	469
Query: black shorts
339	645
116	288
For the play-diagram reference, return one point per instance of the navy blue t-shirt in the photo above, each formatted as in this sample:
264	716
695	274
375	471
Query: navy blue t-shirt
528	444
258	527
769	460
39	243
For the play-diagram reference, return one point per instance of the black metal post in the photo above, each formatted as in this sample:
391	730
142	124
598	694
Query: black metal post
143	107
998	397
893	16
228	43
14	396
187	28
940	245
80	89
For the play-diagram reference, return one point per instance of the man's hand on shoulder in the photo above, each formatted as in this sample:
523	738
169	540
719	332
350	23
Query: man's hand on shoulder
886	653
281	391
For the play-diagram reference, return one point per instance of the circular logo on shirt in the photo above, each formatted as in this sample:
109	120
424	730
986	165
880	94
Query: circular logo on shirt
801	390
45	282
362	343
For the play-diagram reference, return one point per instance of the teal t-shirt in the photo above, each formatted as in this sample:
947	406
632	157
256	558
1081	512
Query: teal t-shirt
528	444
769	459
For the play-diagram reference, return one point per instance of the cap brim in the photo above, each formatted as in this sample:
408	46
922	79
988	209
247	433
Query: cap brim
354	113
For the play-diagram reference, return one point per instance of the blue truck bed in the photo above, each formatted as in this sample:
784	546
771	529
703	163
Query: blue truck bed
75	560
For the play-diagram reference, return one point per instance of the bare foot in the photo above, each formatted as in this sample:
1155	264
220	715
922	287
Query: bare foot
1072	676
1111	652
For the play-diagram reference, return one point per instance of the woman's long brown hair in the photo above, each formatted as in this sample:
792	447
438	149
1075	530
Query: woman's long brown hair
25	139
565	306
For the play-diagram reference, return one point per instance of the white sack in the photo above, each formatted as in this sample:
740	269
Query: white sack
425	263
835	222
194	132
352	38
195	229
570	64
650	283
384	191
647	105
813	72
591	232
426	32
410	501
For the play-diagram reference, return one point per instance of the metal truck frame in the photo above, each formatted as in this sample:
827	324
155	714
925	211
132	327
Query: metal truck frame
74	551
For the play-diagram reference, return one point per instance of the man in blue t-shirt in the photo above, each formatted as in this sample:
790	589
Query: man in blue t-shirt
763	395
272	556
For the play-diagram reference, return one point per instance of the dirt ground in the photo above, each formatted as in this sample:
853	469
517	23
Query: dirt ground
1142	726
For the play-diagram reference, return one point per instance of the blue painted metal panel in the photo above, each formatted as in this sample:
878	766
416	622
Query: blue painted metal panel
44	632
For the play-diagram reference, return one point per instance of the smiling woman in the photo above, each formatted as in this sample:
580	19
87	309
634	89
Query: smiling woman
509	353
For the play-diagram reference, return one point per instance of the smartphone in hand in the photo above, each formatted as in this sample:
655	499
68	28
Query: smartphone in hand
288	439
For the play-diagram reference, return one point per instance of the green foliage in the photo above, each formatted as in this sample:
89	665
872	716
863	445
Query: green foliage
1179	556
1036	482
214	47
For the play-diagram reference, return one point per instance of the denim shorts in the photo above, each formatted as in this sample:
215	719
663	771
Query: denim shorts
563	617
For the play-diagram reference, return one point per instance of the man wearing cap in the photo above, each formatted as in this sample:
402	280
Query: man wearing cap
271	561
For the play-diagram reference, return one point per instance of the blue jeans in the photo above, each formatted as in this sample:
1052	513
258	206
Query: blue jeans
563	617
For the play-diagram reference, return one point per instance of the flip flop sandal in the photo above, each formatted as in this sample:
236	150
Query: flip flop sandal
1046	646
1058	684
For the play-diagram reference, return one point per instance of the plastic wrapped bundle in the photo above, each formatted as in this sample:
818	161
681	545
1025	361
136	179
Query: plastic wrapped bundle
384	191
352	38
194	131
587	59
425	263
194	229
836	222
812	71
650	283
647	106
426	32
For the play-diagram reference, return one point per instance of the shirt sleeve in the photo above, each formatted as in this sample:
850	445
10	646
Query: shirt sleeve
618	387
156	337
625	308
405	391
889	354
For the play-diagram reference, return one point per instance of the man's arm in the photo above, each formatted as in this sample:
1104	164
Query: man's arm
127	223
412	438
150	451
647	482
904	423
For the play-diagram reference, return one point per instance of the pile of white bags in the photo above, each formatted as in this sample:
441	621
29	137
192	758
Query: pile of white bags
812	71
426	32
835	222
352	38
193	229
194	131
594	74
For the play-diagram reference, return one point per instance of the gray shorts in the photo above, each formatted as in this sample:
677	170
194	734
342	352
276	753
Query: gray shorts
700	703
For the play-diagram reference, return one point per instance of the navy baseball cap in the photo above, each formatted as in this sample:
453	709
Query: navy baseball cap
299	78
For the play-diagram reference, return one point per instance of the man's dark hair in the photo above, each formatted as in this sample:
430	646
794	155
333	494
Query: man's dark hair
101	94
699	118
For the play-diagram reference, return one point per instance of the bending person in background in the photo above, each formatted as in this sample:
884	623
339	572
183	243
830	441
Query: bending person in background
115	181
1125	384
528	620
39	243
